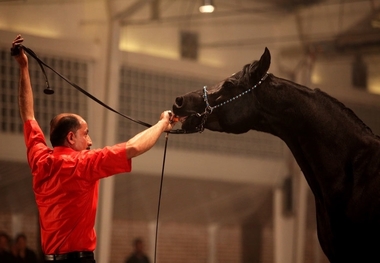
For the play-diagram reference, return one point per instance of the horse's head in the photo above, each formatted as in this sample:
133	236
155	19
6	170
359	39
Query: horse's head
226	107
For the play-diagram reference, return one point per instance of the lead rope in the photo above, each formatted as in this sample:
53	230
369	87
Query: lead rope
89	95
159	197
16	51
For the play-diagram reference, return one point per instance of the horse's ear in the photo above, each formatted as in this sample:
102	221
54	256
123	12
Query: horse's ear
265	61
261	67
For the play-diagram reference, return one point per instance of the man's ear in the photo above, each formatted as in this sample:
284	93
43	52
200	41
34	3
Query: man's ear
70	138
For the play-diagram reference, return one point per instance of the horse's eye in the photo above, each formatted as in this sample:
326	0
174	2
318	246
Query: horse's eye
228	85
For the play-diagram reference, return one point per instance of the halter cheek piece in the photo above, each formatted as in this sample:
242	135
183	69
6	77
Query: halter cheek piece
209	109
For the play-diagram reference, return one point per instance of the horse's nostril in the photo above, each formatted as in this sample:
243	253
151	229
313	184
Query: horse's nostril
179	101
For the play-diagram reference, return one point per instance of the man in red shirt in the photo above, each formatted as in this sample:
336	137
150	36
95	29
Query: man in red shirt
66	178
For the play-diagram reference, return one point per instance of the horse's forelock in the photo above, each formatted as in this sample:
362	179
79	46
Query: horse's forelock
241	77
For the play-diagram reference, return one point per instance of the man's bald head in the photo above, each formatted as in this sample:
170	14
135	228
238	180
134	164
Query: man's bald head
61	125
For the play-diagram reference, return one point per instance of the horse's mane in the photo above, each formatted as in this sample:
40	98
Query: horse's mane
347	110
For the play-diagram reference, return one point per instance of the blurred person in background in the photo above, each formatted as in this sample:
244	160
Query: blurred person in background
5	249
138	255
21	251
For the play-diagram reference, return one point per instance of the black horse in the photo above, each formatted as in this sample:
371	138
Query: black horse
337	153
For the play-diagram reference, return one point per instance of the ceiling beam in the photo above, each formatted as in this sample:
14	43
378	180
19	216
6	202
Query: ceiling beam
130	10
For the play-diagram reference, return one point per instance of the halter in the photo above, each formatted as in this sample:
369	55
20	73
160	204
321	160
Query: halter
209	109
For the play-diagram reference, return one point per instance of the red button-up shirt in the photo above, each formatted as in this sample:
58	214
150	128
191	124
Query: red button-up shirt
65	185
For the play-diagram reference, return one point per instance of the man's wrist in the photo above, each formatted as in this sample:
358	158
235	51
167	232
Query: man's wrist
165	122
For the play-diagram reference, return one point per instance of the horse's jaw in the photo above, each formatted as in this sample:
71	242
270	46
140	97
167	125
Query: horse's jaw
189	123
214	126
194	122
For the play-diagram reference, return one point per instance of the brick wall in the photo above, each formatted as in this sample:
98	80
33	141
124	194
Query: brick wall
229	244
268	245
123	234
177	242
183	243
6	223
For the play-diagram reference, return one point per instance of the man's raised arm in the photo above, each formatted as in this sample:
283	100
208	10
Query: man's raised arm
25	93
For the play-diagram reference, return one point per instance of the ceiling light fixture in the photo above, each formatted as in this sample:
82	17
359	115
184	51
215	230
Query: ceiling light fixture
207	6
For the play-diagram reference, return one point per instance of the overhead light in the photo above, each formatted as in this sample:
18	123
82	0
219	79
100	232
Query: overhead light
206	7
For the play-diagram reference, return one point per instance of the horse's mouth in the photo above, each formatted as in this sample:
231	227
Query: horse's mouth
182	119
189	122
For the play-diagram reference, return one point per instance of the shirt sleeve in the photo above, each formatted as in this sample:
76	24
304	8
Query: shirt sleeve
35	143
107	161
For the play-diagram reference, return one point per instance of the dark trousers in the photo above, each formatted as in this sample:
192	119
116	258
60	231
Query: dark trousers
76	260
72	257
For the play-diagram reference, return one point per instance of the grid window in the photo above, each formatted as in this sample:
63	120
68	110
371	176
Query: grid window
65	98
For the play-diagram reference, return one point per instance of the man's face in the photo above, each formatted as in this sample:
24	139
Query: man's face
82	140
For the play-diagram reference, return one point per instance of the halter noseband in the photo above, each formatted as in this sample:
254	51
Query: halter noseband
209	109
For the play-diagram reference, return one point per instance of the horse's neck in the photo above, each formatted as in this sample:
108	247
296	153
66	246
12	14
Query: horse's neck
322	134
